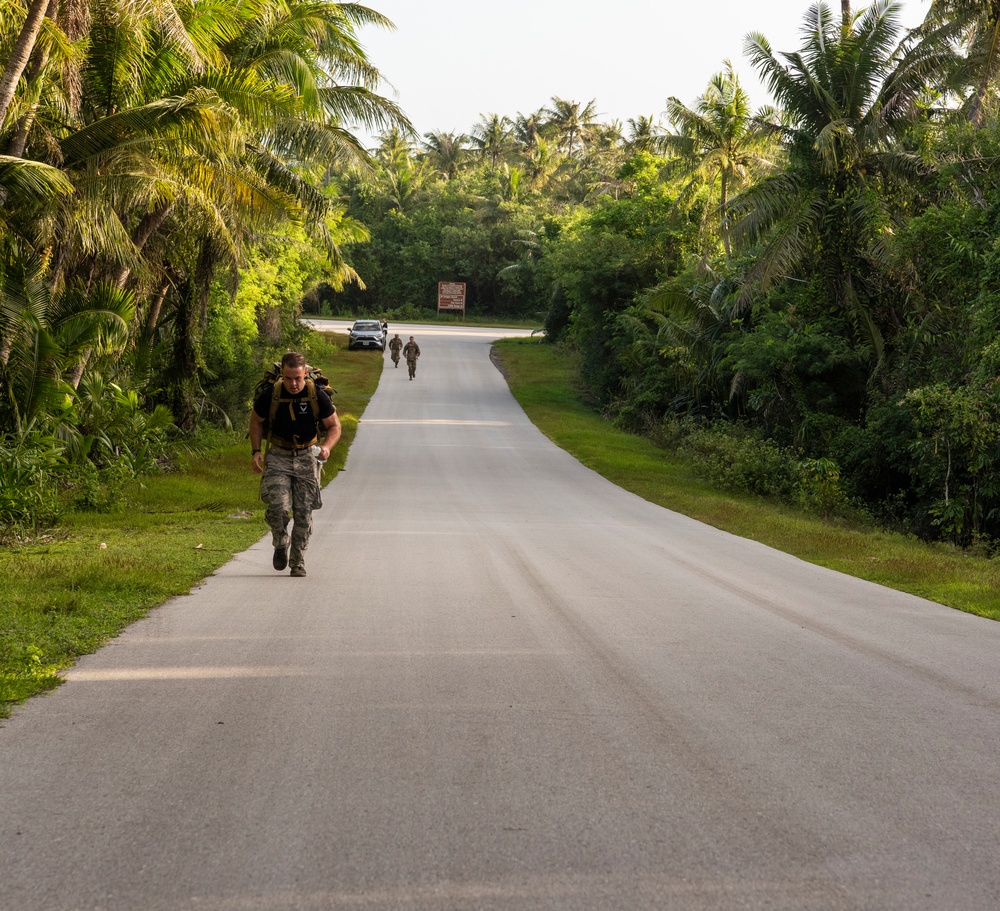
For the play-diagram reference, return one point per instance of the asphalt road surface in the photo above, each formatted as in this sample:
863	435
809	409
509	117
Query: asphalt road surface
507	684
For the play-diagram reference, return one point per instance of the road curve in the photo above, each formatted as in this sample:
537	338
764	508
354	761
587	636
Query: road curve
508	684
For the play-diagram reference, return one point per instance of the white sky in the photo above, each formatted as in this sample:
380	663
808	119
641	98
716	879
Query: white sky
451	61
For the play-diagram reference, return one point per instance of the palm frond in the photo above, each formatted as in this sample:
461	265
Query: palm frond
24	183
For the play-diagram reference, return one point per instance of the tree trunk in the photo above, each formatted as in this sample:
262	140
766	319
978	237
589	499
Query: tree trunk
204	276
192	301
76	374
148	225
185	357
20	138
74	19
21	54
723	225
845	12
155	305
34	72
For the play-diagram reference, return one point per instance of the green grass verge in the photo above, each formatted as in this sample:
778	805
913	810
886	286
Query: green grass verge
544	382
72	590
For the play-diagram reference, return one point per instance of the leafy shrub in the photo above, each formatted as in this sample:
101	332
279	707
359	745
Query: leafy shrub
407	313
96	489
740	461
29	498
818	485
121	429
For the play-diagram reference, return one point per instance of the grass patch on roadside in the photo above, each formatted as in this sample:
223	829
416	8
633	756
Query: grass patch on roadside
544	382
69	592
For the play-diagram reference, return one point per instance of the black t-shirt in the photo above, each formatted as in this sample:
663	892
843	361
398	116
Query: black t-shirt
294	420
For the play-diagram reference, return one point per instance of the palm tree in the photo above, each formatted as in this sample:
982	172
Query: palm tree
447	152
975	26
400	176
542	165
720	144
492	138
573	123
644	135
26	187
394	148
682	328
529	130
849	97
312	47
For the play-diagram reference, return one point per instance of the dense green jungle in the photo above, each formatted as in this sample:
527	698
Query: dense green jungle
801	299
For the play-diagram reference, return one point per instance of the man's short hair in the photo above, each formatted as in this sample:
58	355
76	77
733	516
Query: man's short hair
293	359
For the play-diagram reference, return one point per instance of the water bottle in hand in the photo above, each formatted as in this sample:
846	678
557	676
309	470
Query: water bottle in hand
316	451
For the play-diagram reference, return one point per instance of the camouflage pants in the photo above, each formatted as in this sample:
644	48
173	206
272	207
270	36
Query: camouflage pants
290	488
411	363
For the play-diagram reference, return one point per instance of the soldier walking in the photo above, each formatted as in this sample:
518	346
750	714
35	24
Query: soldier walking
411	351
395	344
291	414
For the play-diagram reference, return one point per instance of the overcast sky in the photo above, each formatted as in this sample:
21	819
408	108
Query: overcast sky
451	61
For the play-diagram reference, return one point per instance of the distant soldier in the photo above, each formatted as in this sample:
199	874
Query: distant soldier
395	346
411	351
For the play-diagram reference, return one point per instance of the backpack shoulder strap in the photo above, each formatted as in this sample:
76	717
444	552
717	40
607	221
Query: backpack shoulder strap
313	398
276	388
275	398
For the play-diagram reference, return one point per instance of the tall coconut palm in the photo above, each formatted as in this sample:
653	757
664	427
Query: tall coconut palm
574	124
491	137
849	97
196	101
447	152
394	147
598	168
529	130
401	176
720	145
644	134
542	166
312	46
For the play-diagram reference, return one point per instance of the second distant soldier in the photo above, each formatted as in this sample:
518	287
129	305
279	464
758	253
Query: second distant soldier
411	351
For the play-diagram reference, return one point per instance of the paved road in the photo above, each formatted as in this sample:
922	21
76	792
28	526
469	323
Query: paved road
507	684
